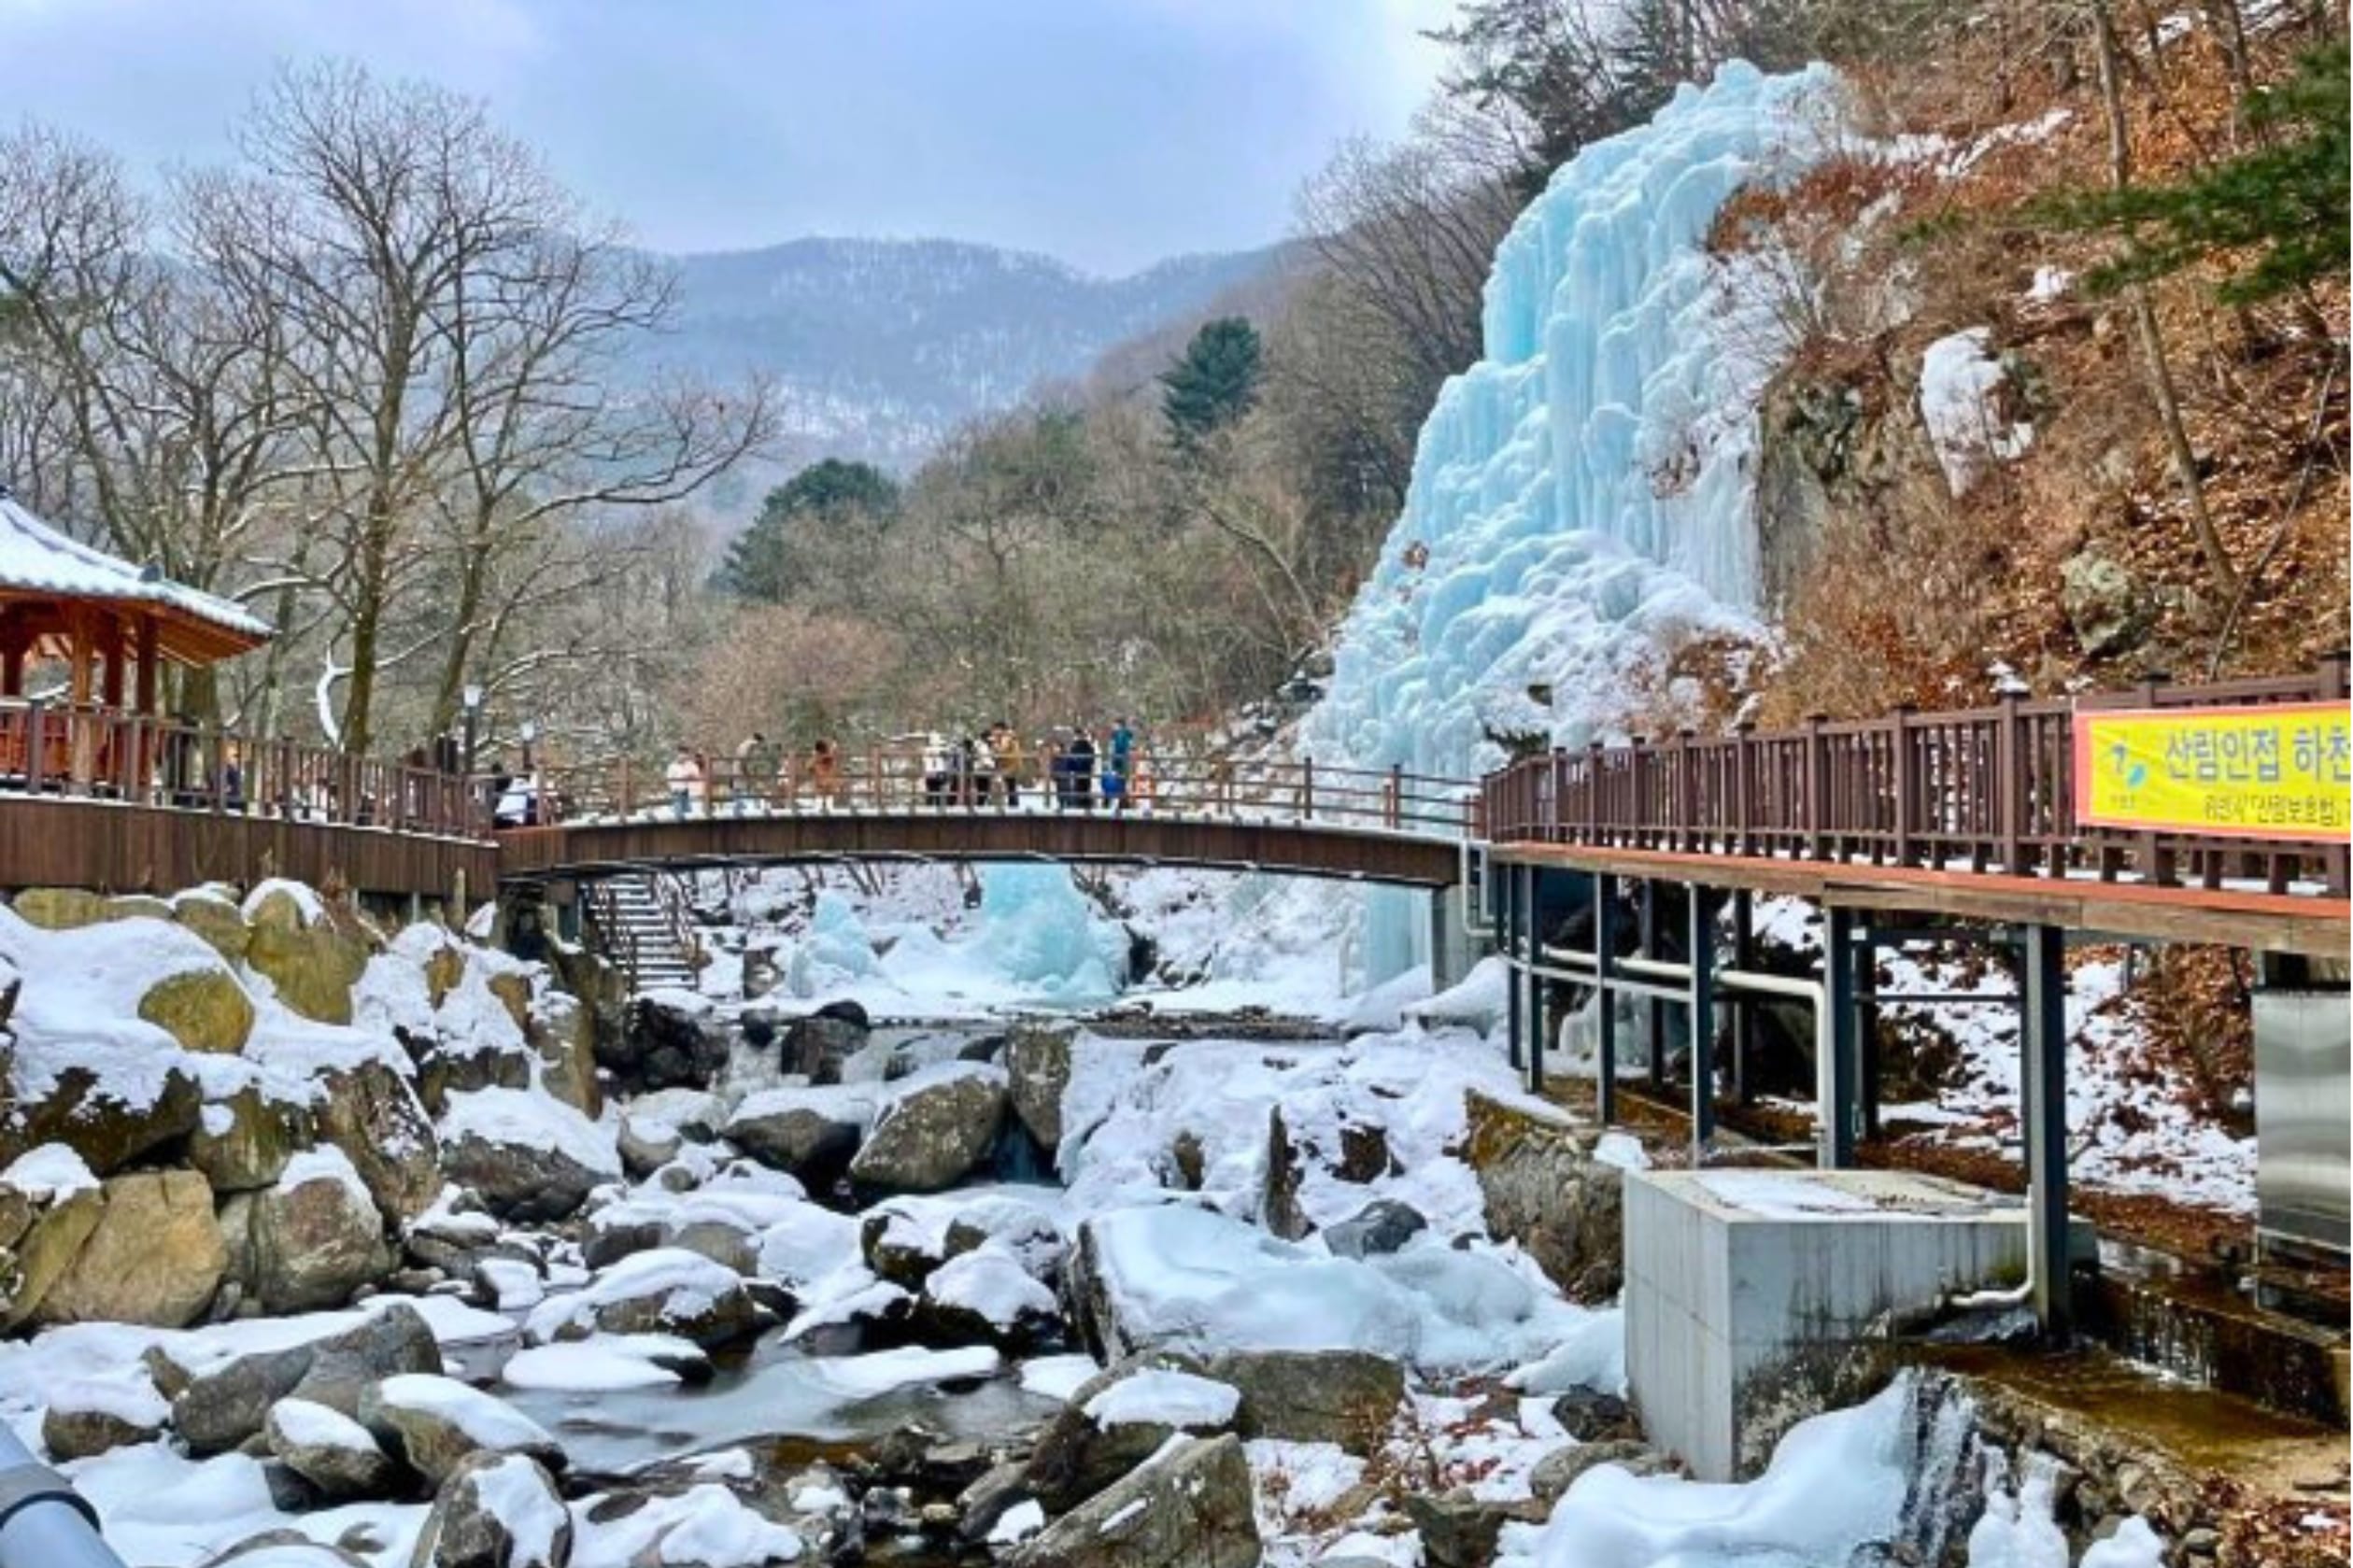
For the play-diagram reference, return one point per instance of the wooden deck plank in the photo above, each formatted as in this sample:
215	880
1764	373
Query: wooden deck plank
1297	848
2262	921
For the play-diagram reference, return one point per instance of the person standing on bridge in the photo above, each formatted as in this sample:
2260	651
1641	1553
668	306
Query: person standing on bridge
756	767
1082	759
1123	762
825	774
685	778
1006	739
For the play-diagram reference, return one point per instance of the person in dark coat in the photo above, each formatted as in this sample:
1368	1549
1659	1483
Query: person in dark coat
1082	759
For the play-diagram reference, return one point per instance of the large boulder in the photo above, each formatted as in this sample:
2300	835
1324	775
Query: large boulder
528	1156
59	908
221	1394
51	1203
106	1122
1544	1188
214	917
817	1045
1190	1506
243	1140
933	1130
1348	1397
667	1291
813	1133
87	1418
1381	1227
987	1297
666	1041
497	1510
1037	1063
155	1256
561	1030
2106	605
434	1422
306	955
370	1112
312	1240
203	1007
336	1455
1118	1418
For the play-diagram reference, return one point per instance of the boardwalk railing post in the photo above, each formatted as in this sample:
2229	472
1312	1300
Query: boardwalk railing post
1816	821
1743	782
1905	782
2009	792
1393	815
1593	793
1307	788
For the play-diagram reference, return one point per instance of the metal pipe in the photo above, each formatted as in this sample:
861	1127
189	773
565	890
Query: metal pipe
1571	964
45	1523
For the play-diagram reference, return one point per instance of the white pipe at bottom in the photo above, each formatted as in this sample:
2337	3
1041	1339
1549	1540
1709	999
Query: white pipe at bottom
48	1531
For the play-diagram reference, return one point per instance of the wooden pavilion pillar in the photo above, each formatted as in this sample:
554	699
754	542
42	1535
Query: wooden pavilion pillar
150	660
82	734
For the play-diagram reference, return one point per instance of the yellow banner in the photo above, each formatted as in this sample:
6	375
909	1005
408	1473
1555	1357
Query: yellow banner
2276	772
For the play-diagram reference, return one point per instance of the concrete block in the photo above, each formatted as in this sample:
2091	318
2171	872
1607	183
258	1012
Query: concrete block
1750	1293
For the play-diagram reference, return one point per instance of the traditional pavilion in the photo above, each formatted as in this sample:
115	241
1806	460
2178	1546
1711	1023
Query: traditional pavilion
114	625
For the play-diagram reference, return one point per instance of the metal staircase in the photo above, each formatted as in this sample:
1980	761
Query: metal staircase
643	932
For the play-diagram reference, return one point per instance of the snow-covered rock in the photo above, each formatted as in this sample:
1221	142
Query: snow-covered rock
330	1450
94	1414
934	1129
1190	1504
667	1291
222	1380
529	1156
986	1295
310	1240
496	1510
813	1132
1115	1422
434	1422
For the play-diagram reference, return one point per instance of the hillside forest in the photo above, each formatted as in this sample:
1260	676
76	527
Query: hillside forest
367	378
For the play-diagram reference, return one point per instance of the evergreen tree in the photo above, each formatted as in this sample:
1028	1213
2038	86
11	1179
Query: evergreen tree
827	494
2284	201
1216	381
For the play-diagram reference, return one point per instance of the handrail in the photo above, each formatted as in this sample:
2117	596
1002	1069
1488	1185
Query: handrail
1985	790
1159	780
89	752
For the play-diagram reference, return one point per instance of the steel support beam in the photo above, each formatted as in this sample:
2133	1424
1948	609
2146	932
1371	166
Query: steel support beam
1654	1032
1743	1007
2043	1000
1605	1022
1508	936
1866	994
1703	1021
1839	1074
1537	1031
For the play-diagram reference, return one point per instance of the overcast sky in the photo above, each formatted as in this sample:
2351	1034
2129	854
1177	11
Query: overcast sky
1111	133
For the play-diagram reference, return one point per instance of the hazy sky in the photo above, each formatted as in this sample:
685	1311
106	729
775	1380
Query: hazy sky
1112	132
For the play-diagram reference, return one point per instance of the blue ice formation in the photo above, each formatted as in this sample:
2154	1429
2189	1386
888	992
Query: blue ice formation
836	950
1582	497
1036	929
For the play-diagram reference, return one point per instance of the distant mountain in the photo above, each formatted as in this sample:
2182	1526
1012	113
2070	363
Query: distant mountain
881	346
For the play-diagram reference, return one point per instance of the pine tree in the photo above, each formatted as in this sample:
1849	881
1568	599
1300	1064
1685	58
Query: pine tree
1216	383
758	563
2285	202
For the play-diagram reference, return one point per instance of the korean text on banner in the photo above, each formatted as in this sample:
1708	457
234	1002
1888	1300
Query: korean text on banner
2284	771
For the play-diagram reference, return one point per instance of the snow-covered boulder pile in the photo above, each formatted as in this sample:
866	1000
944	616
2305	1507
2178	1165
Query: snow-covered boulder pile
268	1059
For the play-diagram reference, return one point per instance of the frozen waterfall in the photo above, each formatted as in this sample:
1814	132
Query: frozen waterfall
1582	497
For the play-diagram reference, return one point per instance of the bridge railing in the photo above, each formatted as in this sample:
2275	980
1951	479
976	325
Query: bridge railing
899	777
59	750
1983	790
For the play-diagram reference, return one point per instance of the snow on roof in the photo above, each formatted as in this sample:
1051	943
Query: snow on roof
37	558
